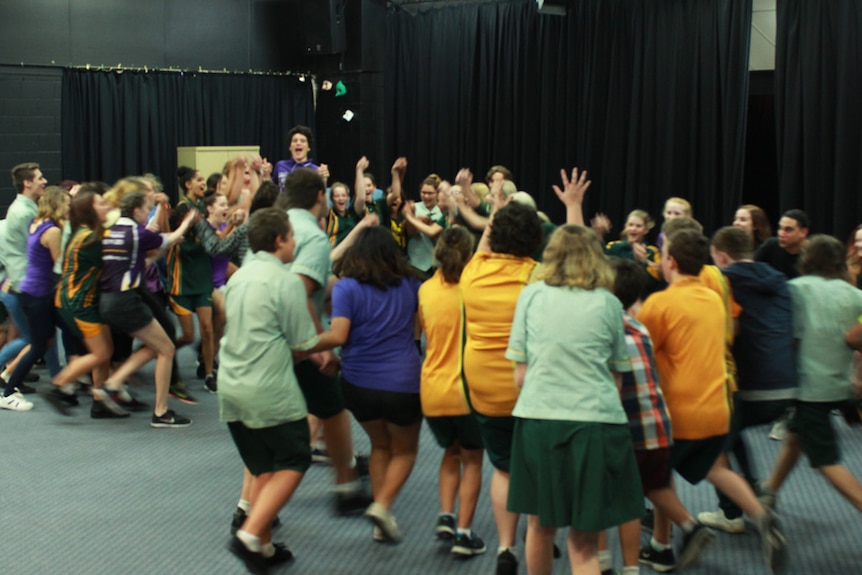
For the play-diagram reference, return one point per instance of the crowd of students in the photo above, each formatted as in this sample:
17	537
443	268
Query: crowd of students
587	371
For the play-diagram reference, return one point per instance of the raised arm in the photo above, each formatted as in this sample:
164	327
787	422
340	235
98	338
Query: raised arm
359	187
572	195
368	221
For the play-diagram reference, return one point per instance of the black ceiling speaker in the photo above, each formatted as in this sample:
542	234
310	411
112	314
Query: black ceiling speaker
322	22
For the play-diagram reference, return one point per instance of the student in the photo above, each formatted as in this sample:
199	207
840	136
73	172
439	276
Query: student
125	248
764	355
490	285
825	306
299	140
442	392
687	322
673	208
854	256
782	252
633	244
260	399
305	199
753	220
347	209
572	459
373	318
426	225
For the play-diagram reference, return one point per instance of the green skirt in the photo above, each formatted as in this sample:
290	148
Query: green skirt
574	474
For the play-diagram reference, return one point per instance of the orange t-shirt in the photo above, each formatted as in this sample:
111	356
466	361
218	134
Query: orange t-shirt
490	286
687	325
442	390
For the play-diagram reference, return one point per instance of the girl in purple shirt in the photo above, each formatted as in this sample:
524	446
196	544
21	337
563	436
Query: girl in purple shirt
37	290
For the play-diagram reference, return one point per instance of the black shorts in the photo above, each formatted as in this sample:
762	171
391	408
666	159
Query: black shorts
461	428
811	422
322	392
278	448
124	311
693	458
402	409
654	468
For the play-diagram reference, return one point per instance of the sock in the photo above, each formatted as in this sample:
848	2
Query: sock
447	514
688	526
468	532
606	562
68	389
631	570
502	549
658	546
353	462
252	542
5	375
100	394
348	488
244	505
267	550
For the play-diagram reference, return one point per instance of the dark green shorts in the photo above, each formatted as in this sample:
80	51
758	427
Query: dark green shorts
693	458
461	428
811	423
322	393
187	304
277	448
496	435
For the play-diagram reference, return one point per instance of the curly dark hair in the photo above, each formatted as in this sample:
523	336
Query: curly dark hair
374	258
516	230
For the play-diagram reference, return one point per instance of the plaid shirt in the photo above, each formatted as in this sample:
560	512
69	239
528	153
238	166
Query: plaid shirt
649	421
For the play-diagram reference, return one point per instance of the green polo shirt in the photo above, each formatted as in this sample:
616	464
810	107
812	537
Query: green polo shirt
311	255
267	320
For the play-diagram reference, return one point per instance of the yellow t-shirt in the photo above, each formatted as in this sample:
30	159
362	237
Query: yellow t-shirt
687	324
442	390
712	278
490	286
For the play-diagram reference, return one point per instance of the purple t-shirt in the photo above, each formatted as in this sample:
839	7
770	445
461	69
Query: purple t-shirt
39	279
219	264
380	352
284	167
124	249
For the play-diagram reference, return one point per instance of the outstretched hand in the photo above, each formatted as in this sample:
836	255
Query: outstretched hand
362	164
573	190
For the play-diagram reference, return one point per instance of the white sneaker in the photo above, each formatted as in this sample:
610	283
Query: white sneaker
779	430
718	520
15	402
383	518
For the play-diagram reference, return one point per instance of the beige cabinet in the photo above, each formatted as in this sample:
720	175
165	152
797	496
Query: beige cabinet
210	159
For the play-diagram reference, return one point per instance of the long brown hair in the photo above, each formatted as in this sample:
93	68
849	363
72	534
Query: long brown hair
83	214
374	258
453	250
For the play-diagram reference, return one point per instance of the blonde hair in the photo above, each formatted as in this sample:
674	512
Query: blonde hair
684	203
123	187
52	205
649	223
574	257
481	190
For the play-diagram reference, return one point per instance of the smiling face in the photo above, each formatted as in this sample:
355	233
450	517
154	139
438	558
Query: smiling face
196	187
36	186
369	189
635	229
299	148
217	212
340	198
429	196
743	220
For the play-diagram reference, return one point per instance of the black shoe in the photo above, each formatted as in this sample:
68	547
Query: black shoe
130	404
210	384
507	563
352	503
239	517
55	399
693	543
26	389
445	528
468	545
201	371
255	562
70	399
101	410
282	555
169	419
31	378
661	561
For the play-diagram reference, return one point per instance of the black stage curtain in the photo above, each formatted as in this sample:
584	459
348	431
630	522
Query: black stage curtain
818	83
116	124
649	97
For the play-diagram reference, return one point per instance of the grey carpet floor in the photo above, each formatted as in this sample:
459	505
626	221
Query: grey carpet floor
84	496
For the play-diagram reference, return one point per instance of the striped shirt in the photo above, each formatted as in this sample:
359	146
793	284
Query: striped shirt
82	270
643	402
